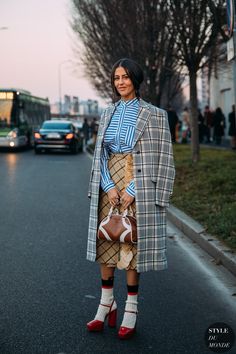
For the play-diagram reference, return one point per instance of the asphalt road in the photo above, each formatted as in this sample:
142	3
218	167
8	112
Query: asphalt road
48	291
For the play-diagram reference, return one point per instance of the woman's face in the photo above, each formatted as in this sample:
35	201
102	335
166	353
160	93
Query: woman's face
123	84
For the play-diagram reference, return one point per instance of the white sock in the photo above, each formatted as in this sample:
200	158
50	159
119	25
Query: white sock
106	299
129	319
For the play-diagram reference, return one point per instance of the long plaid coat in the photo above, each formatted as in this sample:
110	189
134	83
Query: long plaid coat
153	177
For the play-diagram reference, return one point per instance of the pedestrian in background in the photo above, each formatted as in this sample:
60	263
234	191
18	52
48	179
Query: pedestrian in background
132	167
208	124
185	126
201	127
232	127
94	130
218	125
173	122
85	130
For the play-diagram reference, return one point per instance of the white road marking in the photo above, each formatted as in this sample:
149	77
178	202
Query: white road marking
90	297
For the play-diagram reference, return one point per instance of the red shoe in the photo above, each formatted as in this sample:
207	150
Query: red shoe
125	332
97	326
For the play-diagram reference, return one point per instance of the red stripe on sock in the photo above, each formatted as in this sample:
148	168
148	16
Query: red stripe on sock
107	287
132	294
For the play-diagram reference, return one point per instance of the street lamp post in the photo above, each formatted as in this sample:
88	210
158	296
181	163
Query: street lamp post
59	84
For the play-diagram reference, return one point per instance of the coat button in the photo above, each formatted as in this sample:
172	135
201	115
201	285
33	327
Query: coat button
138	152
139	170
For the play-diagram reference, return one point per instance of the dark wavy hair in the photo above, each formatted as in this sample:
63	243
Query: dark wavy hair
133	70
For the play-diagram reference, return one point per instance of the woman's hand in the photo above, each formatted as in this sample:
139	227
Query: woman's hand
126	200
113	196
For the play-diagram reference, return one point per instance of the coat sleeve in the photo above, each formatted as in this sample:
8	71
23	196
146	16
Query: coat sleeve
101	123
165	169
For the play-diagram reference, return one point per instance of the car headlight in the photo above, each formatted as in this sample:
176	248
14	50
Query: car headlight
69	136
37	136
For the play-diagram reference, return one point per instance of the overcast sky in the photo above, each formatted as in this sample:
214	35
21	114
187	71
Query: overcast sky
38	38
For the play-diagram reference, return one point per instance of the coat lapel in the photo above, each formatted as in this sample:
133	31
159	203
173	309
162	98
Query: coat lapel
108	116
103	125
143	116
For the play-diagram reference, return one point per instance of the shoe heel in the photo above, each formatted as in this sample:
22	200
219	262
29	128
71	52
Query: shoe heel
112	318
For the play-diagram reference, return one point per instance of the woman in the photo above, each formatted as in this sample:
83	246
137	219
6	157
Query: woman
185	127
132	167
219	125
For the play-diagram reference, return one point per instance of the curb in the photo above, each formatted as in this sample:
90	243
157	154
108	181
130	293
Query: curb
197	233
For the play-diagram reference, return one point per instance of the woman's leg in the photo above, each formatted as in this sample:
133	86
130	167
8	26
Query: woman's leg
132	277
107	272
107	306
127	328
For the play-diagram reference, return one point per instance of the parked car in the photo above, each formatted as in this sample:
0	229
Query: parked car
55	134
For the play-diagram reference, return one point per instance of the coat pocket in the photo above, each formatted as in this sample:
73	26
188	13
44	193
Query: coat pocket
153	176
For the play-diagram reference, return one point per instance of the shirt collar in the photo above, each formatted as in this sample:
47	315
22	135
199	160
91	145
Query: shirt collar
132	102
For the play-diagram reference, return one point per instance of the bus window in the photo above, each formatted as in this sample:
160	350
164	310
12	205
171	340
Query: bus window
21	116
5	112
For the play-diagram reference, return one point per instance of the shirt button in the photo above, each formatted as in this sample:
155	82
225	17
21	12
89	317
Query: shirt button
139	170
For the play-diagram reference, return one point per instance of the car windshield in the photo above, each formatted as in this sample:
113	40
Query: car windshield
56	125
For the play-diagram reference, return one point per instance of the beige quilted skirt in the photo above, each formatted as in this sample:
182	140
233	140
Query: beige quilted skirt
115	254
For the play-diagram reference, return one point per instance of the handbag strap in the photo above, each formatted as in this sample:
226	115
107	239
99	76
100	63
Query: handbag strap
112	210
124	214
128	211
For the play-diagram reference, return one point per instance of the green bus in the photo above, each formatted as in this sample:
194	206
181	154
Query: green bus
20	114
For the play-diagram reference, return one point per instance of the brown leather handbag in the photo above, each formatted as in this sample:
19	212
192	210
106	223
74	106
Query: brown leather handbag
118	227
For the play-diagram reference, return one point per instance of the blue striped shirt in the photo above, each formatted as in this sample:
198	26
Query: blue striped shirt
119	138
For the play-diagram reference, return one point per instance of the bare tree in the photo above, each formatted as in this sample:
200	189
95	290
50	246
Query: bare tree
137	29
196	31
173	91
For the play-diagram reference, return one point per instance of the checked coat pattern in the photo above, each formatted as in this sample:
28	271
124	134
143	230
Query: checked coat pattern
154	173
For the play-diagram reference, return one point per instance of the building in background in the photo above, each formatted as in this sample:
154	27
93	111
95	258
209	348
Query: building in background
89	107
215	89
67	105
75	105
222	87
72	107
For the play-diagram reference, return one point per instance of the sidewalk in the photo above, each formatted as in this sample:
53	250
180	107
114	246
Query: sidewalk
196	232
225	145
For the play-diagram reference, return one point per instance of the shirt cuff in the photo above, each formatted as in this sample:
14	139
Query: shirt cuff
131	189
108	187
